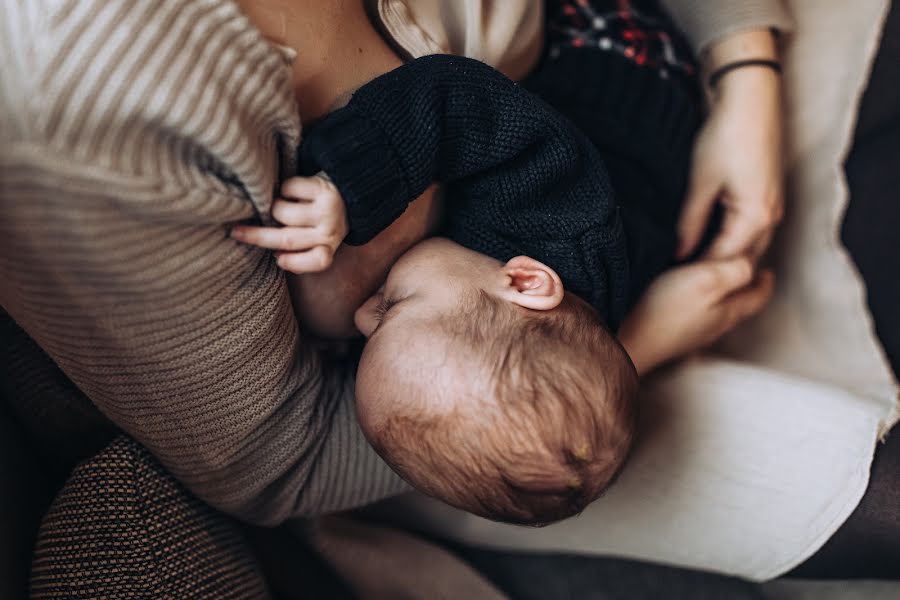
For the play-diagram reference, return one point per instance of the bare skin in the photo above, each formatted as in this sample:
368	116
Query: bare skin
326	71
685	309
737	156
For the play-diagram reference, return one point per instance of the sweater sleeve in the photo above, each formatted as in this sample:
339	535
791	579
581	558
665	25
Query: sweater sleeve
705	22
120	172
521	179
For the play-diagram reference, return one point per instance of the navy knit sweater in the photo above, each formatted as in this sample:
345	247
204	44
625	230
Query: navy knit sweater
520	178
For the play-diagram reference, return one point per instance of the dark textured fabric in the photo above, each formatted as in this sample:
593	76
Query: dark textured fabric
25	495
637	30
520	178
122	527
61	424
532	576
638	103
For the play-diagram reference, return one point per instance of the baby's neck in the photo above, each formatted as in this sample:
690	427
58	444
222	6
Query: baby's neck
338	49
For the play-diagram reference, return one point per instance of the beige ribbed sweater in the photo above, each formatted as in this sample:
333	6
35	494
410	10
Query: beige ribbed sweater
133	133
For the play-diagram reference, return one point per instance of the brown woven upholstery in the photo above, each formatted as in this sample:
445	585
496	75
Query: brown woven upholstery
122	527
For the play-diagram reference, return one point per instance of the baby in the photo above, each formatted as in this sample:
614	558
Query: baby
491	378
484	381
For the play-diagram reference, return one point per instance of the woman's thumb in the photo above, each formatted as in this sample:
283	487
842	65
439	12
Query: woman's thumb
703	192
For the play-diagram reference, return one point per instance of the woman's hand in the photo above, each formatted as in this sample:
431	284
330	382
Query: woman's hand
737	156
689	307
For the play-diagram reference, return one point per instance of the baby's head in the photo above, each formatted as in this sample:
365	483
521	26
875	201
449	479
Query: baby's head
487	386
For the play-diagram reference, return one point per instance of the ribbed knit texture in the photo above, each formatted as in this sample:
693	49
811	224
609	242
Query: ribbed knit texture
122	527
520	178
134	133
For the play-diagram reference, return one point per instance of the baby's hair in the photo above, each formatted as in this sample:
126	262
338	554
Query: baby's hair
551	434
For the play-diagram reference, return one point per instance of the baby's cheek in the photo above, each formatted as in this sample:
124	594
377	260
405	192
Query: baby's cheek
364	317
370	387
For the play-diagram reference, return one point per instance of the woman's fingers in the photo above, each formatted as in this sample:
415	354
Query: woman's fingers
747	228
703	193
759	247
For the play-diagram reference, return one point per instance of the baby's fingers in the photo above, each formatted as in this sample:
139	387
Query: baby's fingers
309	188
722	277
289	239
310	261
750	300
297	214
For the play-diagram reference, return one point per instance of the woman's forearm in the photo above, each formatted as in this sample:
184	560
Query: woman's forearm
752	44
761	82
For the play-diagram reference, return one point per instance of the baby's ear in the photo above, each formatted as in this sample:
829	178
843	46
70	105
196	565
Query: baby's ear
531	284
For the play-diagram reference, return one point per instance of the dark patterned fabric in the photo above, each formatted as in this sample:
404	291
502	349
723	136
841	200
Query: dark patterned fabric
122	527
622	73
635	29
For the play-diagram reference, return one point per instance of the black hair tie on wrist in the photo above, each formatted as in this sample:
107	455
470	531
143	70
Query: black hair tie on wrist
739	64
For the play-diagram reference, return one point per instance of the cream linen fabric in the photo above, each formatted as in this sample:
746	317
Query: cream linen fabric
506	35
747	465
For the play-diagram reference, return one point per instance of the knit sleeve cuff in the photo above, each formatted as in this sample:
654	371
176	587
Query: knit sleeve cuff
357	157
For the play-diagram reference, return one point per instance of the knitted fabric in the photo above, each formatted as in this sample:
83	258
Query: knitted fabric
122	527
626	79
520	178
634	29
121	169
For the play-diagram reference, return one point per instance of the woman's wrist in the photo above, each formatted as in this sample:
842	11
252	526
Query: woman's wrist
753	86
745	45
743	62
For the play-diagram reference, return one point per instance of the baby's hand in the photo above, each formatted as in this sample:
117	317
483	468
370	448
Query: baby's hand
690	307
315	223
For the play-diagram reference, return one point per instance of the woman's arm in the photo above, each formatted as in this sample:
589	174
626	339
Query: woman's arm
737	156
